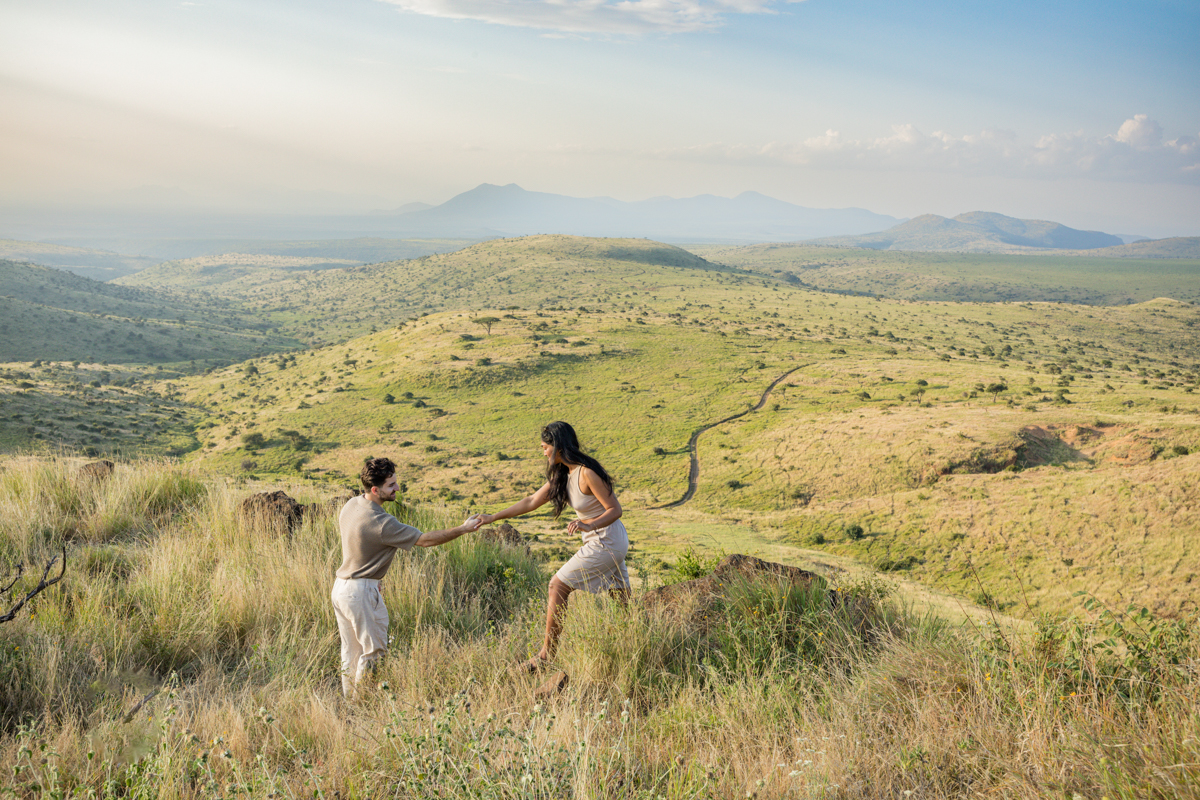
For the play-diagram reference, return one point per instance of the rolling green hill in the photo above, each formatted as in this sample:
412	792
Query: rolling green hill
52	315
974	232
100	265
321	307
883	405
963	277
1176	247
912	420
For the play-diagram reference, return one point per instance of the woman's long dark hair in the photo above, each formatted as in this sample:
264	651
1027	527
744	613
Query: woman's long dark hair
562	438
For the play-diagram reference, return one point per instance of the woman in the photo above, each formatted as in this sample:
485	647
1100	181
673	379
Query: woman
579	481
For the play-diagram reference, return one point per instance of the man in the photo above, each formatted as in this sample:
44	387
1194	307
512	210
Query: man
370	537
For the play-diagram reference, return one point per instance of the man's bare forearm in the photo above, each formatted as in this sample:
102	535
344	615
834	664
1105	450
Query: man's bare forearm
435	538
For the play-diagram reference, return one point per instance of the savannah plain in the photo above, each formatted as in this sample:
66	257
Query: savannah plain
991	462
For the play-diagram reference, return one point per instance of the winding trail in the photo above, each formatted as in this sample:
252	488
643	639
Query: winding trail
694	469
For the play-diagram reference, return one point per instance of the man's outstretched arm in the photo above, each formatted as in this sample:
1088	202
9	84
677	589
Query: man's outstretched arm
434	538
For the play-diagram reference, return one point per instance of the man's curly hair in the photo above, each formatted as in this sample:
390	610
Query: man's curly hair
376	472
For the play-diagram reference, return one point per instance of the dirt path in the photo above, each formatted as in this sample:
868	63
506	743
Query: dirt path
694	469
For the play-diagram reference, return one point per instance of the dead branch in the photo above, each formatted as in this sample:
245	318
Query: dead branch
20	572
43	584
133	711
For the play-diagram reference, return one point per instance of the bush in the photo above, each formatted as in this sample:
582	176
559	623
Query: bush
897	564
854	531
691	565
254	441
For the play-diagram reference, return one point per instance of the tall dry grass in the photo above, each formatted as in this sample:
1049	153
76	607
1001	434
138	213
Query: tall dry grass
775	695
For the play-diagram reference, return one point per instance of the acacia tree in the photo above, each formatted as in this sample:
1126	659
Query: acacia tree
994	389
486	322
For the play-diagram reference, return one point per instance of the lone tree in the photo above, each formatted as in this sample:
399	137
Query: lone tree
486	322
994	389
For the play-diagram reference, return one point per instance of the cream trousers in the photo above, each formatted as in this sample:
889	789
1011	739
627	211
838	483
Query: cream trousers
362	622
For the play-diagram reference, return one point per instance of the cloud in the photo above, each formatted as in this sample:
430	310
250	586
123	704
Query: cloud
1136	152
623	17
1140	132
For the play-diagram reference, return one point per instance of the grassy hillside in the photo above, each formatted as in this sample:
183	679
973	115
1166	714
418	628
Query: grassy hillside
335	305
1175	247
190	652
884	409
881	401
966	277
99	265
233	272
49	314
92	409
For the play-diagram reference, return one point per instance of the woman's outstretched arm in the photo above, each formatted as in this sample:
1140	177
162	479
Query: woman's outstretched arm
590	483
535	500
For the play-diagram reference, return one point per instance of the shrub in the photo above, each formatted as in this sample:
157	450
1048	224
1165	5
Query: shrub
854	531
254	441
691	565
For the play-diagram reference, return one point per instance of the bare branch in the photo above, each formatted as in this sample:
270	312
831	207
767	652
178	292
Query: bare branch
133	711
43	584
20	572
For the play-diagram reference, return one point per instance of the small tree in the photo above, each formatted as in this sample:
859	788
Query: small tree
994	389
486	322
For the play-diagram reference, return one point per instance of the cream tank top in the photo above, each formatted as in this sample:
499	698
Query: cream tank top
588	507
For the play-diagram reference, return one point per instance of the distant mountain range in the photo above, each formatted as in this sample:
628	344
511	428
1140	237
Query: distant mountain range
485	212
749	217
977	232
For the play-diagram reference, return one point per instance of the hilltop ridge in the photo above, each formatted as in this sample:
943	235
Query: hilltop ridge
975	232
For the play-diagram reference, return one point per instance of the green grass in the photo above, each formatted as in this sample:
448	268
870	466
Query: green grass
49	314
192	653
638	344
968	277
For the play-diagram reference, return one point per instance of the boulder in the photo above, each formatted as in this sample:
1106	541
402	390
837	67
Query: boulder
694	599
504	534
274	509
97	470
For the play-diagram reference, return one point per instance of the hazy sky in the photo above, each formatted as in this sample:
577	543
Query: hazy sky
1087	113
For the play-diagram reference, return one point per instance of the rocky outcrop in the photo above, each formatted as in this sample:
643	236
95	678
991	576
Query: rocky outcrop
504	534
97	470
273	510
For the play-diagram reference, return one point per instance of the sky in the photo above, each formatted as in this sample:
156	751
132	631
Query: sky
1085	113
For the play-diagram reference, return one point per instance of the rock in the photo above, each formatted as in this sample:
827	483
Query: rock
504	534
97	470
694	599
275	509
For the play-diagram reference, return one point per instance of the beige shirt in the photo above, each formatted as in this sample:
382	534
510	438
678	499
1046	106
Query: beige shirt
370	537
